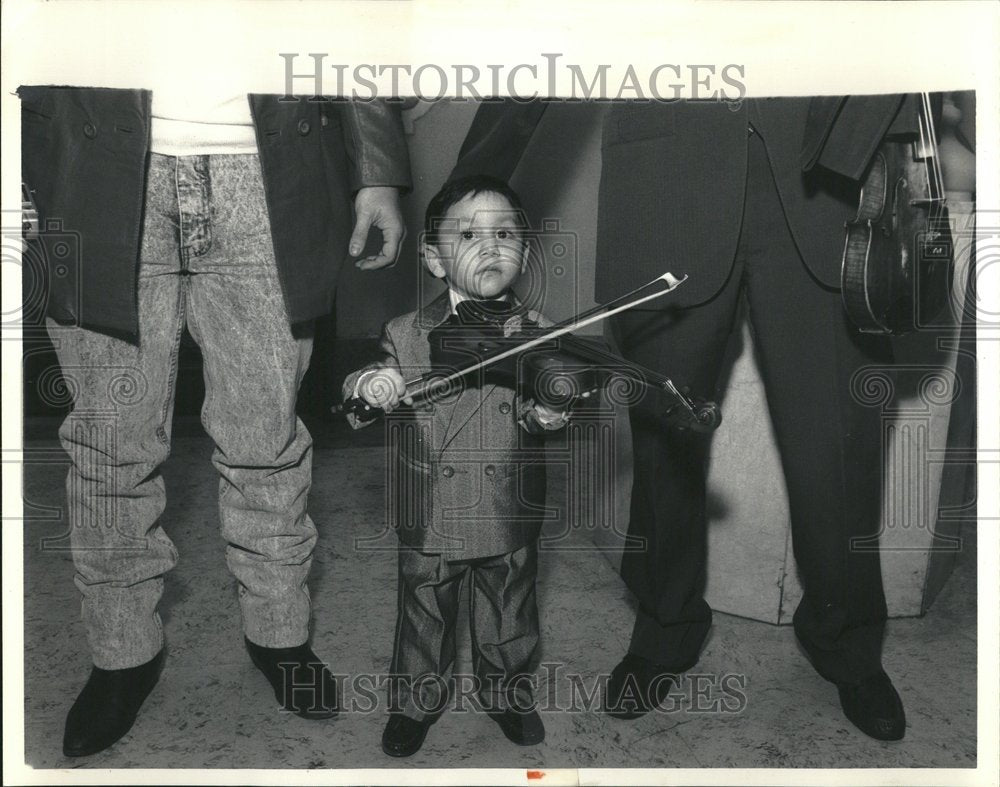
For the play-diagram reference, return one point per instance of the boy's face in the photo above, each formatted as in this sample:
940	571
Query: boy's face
480	250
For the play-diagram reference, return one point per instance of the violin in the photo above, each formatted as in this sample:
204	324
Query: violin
551	365
483	330
897	265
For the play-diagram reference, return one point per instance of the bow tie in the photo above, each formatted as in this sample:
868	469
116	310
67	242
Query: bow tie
476	327
486	312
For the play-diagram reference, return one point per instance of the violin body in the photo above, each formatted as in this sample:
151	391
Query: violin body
546	373
897	264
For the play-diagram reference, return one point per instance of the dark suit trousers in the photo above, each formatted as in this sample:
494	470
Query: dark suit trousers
503	624
830	449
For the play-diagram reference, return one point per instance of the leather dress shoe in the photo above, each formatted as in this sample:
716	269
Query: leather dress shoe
107	707
637	685
874	707
403	736
522	728
302	684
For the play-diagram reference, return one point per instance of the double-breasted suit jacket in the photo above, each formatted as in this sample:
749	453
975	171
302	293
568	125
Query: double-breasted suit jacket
467	474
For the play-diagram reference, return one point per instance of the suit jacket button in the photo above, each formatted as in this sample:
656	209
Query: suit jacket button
448	471
489	469
304	127
89	130
324	121
505	407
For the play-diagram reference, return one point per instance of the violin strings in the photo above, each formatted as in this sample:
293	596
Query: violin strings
936	185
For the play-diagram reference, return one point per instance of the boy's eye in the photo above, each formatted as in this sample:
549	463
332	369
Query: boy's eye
503	234
468	235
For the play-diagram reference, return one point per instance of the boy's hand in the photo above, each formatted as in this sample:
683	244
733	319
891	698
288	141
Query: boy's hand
383	388
550	417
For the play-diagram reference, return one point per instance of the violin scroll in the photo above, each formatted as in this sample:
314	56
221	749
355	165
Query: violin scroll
707	416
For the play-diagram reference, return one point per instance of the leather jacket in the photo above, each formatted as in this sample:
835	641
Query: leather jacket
83	161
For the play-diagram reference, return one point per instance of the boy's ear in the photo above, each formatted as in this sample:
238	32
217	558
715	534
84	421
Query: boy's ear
432	259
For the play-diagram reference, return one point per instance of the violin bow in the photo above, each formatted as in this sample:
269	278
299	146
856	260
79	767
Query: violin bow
576	322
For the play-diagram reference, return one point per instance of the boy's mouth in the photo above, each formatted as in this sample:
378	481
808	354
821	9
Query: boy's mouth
496	265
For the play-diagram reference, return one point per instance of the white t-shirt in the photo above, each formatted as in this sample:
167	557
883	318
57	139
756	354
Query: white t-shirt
197	121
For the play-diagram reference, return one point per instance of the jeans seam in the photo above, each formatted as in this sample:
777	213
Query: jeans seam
180	215
207	204
174	361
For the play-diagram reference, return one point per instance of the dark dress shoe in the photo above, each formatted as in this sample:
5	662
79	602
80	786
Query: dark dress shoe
636	686
403	736
524	729
107	707
874	707
302	684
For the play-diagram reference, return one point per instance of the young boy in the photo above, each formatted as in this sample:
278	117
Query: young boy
470	483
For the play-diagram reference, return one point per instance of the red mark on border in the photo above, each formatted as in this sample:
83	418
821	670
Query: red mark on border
536	774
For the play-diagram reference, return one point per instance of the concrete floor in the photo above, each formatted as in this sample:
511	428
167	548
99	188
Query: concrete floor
755	701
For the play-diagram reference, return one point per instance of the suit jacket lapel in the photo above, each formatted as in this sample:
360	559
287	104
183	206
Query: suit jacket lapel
431	316
467	406
434	313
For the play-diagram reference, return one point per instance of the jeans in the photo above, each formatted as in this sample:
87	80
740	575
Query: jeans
206	262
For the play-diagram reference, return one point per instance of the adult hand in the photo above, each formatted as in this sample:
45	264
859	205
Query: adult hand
377	206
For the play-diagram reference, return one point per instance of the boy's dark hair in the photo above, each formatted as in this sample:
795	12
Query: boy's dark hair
455	191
